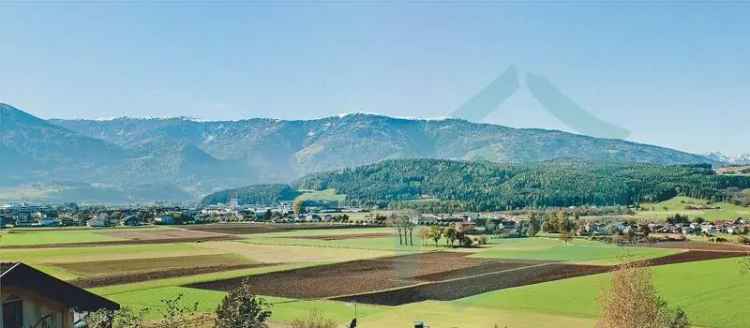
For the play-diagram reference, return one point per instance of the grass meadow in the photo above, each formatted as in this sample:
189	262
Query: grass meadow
679	205
711	292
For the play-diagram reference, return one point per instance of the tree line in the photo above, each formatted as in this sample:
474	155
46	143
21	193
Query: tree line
439	185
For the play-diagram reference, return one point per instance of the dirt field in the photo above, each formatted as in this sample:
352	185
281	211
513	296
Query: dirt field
364	276
163	234
440	276
104	273
692	256
453	289
251	228
151	275
104	268
154	240
702	246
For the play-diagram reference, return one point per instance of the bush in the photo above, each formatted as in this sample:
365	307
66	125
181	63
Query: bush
241	309
483	240
175	314
123	318
314	320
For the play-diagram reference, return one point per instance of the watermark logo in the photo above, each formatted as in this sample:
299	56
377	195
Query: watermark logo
552	99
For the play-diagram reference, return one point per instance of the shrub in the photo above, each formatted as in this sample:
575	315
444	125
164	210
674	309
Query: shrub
483	240
314	320
241	309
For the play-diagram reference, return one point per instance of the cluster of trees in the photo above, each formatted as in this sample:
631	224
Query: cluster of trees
440	185
557	222
739	197
255	194
451	235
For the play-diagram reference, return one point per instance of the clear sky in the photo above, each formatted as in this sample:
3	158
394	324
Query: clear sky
676	75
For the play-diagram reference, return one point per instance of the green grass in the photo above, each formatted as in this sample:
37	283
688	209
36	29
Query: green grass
453	314
678	205
324	232
283	310
576	251
708	291
23	237
46	259
379	243
328	195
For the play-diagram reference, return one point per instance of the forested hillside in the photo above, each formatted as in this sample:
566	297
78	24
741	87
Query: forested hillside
256	194
492	186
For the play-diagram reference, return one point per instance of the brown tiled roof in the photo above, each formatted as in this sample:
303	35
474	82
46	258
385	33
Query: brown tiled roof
19	275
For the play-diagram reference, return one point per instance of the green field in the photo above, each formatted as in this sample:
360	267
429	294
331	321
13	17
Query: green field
678	205
26	237
328	195
708	291
704	289
579	251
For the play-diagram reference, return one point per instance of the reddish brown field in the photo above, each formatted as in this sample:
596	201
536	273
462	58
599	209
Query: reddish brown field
702	246
125	242
429	276
163	234
104	273
692	256
119	279
367	275
453	289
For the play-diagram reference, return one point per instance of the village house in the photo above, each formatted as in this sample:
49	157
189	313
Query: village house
100	220
31	298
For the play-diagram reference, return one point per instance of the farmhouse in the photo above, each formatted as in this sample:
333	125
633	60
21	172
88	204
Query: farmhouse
31	298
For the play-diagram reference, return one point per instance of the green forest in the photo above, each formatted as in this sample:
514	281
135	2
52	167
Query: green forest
486	186
253	195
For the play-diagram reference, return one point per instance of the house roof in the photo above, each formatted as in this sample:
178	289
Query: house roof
22	276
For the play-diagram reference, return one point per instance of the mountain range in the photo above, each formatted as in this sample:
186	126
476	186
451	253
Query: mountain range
741	159
183	159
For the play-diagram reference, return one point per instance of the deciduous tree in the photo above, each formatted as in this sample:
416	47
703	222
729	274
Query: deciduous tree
242	309
631	301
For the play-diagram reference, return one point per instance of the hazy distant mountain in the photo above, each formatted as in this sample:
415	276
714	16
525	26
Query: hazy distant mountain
32	146
742	159
201	157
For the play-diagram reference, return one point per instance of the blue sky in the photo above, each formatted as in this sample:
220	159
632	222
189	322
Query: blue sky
676	75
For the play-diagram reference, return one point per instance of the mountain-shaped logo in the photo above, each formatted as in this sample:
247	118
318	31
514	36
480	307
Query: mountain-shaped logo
552	99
